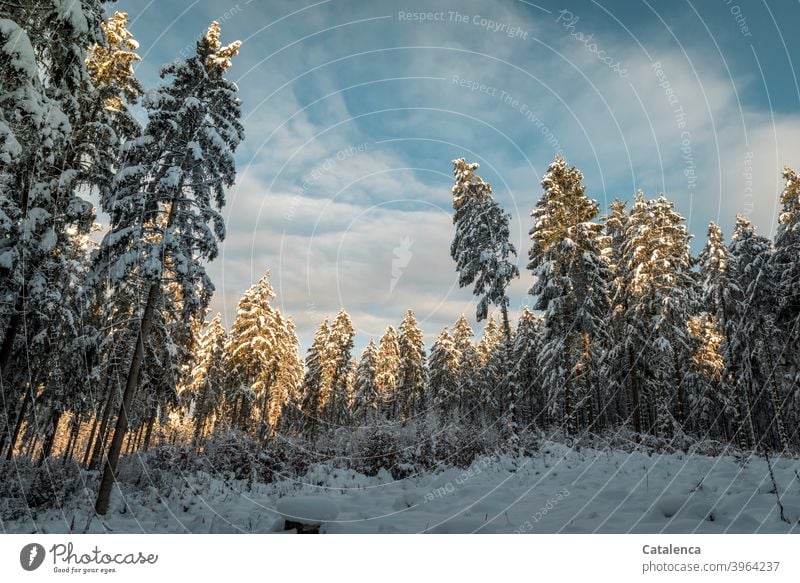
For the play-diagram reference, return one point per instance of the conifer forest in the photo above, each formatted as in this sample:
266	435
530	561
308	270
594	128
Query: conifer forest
121	388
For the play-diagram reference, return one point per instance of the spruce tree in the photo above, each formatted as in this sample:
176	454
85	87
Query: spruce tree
336	404
316	382
481	247
786	266
368	398
759	340
524	371
165	199
660	293
443	376
723	297
411	373
462	334
47	91
572	285
388	370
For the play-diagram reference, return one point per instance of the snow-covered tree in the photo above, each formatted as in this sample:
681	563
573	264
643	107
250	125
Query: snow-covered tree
659	290
388	369
411	373
491	351
368	397
524	371
759	340
708	405
316	382
481	247
471	407
165	199
45	89
262	356
786	266
336	407
462	334
443	376
723	298
571	284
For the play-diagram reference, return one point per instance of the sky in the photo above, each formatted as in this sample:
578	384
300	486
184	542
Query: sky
354	110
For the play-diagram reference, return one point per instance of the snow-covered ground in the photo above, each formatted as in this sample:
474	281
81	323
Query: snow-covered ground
559	490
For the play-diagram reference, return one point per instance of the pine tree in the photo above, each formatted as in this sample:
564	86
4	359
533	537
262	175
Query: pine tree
469	388
619	352
481	247
759	339
46	88
572	284
708	403
411	373
660	292
443	379
316	382
262	356
368	400
723	298
786	265
524	372
387	371
165	199
336	409
491	350
462	334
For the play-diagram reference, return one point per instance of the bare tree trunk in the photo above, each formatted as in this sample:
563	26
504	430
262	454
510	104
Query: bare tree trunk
102	435
47	449
11	335
115	449
774	397
73	436
137	445
506	324
90	440
635	398
32	445
20	418
149	433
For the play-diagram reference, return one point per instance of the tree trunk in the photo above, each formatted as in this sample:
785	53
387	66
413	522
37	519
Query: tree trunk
200	422
20	418
47	449
149	433
73	436
102	435
114	450
90	440
8	340
636	409
506	324
774	397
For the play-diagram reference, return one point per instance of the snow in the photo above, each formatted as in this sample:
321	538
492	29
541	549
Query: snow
558	490
72	12
18	48
308	509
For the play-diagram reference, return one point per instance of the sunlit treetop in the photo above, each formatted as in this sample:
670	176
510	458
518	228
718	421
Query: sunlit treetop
219	57
468	183
113	64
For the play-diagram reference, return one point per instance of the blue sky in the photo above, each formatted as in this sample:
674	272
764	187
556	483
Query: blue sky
354	109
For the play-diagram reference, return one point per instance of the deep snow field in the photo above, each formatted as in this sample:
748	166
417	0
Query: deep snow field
559	490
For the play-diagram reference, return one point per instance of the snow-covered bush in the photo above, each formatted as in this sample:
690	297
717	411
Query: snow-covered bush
26	485
157	468
380	448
